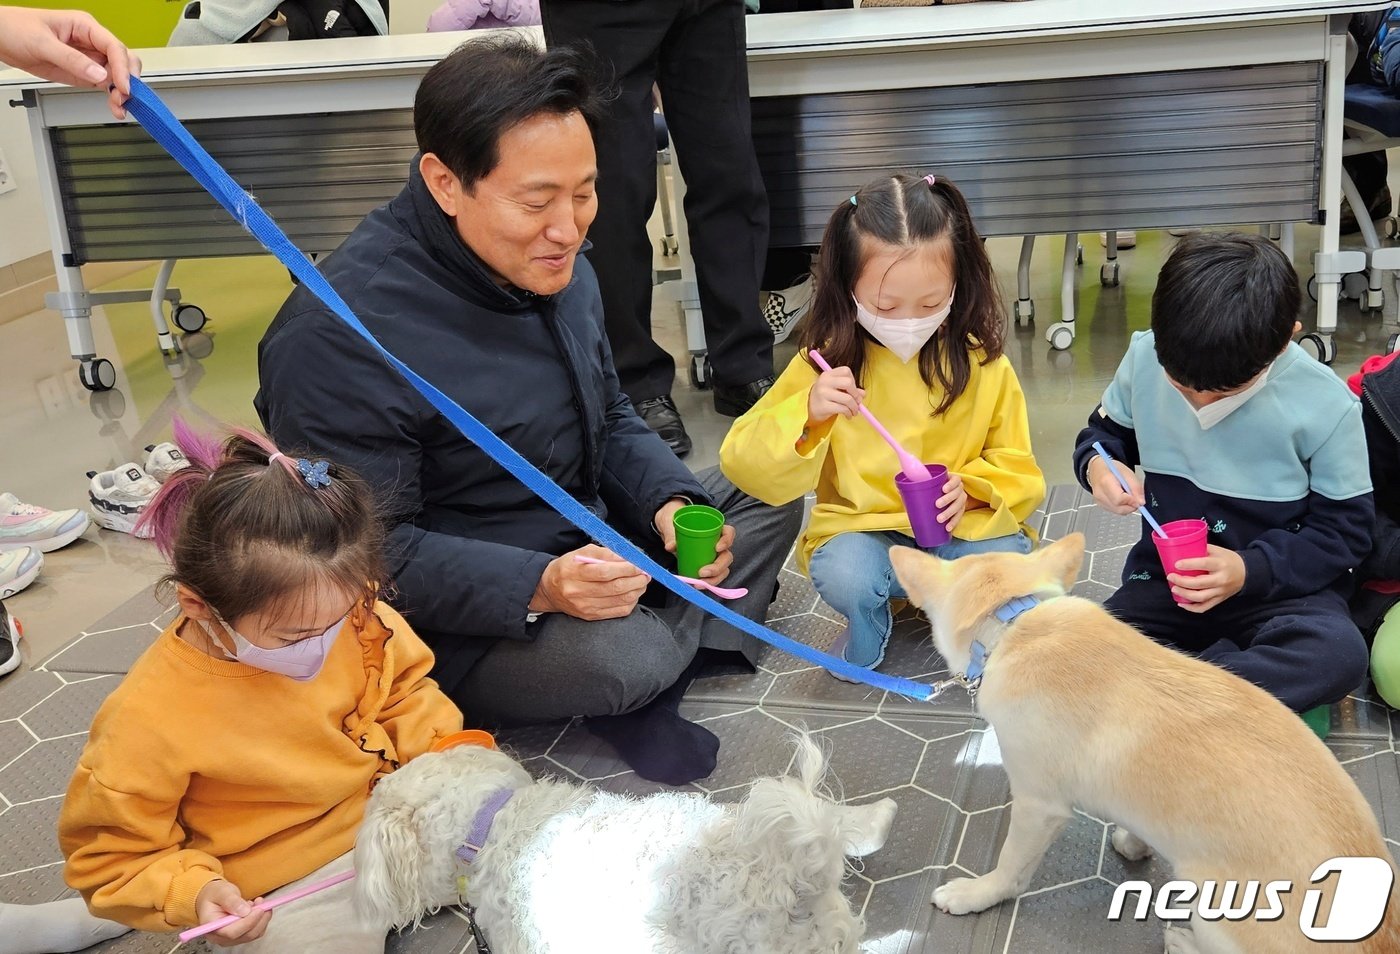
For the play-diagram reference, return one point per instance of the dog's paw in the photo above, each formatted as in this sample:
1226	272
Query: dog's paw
966	895
1130	846
1180	940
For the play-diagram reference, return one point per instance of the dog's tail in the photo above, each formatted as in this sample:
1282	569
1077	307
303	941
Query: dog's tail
388	884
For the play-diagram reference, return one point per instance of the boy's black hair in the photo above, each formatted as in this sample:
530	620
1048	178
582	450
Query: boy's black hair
484	88
1224	308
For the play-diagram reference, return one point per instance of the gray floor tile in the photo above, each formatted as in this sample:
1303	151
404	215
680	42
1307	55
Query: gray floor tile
871	756
965	769
816	687
1107	531
1361	719
70	710
796	596
33	887
1106	566
22	691
43	772
1117	869
29	834
144	607
913	842
751	746
444	933
14	740
114	651
531	740
733	686
1073	920
586	755
892	915
1379	780
810	630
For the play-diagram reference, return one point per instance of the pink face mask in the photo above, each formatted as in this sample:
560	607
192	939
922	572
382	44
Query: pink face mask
301	660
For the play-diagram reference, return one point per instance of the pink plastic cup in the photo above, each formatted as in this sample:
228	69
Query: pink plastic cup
1186	540
920	502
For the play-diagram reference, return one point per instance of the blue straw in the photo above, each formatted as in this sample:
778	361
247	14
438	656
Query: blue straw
1122	482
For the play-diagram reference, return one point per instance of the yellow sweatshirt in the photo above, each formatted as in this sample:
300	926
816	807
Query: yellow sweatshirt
199	768
983	437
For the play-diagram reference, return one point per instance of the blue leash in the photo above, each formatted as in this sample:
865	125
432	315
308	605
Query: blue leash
152	113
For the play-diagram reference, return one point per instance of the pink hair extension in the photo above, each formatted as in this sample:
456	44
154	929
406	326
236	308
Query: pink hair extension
162	515
264	443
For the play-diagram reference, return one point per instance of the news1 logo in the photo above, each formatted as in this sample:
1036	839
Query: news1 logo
1358	905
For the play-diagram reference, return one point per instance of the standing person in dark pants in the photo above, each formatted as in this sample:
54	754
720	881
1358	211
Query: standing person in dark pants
695	50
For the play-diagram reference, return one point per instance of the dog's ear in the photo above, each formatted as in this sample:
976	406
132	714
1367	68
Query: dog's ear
1062	559
865	827
388	860
919	573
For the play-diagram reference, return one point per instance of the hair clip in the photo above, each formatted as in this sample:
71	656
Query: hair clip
315	475
930	179
853	200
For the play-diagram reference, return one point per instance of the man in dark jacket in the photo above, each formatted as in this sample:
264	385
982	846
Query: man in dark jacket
471	275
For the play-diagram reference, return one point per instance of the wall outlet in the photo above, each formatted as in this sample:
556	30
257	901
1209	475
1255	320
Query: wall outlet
7	178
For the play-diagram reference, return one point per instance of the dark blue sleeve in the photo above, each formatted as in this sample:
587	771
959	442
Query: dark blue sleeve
323	389
1335	537
1119	441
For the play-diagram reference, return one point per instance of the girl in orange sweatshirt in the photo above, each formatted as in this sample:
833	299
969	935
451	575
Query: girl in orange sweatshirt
238	754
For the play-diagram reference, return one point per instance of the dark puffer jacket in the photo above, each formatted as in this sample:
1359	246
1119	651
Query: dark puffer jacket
468	542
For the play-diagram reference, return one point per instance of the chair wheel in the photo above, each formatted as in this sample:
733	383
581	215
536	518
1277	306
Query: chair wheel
1024	312
190	318
1108	274
1392	343
1060	337
701	372
97	375
1322	349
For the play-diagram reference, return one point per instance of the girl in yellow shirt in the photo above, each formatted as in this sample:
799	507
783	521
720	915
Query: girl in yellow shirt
907	314
238	754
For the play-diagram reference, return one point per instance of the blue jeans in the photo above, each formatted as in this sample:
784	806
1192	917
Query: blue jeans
852	572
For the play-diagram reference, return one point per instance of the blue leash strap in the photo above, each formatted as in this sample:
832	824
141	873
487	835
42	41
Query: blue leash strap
152	113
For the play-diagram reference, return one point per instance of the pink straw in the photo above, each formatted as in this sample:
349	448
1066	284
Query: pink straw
908	463
297	895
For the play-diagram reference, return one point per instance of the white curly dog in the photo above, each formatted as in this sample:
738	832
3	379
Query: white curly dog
561	868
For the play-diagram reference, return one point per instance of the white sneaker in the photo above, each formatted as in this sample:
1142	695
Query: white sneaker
18	568
786	308
163	460
24	525
1126	239
120	496
10	633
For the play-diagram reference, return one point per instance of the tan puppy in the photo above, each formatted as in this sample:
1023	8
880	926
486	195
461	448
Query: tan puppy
1217	775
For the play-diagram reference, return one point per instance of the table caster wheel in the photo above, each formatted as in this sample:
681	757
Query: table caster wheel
1060	336
190	318
1108	274
97	375
1024	312
1321	348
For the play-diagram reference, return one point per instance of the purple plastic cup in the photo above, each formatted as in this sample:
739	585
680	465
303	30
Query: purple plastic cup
1186	540
920	502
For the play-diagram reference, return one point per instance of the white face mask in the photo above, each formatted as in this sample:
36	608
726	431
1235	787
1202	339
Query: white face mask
905	337
1215	412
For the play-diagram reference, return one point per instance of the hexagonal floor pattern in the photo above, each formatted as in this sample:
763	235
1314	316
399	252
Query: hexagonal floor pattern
938	761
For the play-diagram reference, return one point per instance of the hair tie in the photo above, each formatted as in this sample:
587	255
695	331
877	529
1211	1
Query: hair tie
853	200
273	457
930	179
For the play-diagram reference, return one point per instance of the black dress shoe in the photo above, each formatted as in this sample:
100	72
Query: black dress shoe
734	401
662	417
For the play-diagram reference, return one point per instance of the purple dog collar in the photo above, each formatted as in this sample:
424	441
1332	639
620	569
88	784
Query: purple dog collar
481	825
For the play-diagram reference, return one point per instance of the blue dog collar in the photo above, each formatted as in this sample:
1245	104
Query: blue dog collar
1006	613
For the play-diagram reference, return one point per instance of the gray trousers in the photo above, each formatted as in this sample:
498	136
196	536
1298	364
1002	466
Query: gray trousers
575	667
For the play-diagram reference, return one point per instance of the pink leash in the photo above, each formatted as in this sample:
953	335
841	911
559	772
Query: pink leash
297	895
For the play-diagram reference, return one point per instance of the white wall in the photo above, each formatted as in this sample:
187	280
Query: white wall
23	230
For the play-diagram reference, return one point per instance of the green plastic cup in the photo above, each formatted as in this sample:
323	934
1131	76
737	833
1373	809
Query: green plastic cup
697	531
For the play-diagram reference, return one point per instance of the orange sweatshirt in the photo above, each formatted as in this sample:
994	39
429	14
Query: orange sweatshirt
199	768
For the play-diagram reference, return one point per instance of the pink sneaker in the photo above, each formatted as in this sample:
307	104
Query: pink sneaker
24	525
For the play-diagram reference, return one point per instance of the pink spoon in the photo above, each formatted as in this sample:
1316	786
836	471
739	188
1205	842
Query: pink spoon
723	592
908	463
